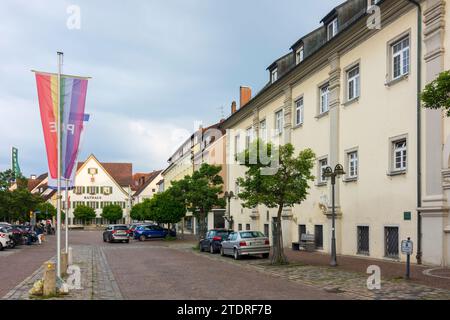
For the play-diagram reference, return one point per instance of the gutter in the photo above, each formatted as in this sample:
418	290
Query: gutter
419	130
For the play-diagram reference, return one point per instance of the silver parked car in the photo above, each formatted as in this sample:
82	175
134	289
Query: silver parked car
246	243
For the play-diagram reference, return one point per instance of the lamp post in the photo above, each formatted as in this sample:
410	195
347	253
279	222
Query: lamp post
329	173
228	195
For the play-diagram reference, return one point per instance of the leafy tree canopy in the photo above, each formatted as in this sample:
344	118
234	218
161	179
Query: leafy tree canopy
84	213
436	94
112	212
282	185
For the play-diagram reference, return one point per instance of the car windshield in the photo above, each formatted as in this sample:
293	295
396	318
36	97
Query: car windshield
251	234
120	228
220	233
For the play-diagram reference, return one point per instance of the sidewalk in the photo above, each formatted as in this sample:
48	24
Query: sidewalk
97	280
349	284
389	270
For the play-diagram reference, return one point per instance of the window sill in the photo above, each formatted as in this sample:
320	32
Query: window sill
321	184
297	126
397	80
349	102
396	173
323	114
350	179
363	254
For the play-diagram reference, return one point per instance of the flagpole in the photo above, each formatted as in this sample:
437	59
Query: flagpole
58	184
66	220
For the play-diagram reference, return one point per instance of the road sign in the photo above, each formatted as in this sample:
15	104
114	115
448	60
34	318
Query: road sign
407	247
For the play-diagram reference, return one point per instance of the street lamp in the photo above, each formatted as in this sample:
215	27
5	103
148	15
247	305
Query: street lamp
228	195
329	173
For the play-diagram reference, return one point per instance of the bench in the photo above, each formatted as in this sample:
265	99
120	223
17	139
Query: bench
307	242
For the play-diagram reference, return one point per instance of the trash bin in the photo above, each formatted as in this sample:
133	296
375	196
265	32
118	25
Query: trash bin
295	246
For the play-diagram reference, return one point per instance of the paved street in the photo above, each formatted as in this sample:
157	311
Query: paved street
152	270
173	270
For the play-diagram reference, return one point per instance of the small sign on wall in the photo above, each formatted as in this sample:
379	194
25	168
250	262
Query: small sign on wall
407	215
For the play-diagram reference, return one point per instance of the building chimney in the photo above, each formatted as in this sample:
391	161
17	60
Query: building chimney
33	177
233	107
246	95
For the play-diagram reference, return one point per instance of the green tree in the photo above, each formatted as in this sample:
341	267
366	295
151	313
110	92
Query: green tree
167	208
286	186
20	203
112	213
7	177
46	210
202	192
137	211
84	213
436	94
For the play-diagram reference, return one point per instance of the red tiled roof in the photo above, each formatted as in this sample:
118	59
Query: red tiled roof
121	172
139	179
150	178
32	183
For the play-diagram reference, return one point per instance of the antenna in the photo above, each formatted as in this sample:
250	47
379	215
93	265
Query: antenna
222	112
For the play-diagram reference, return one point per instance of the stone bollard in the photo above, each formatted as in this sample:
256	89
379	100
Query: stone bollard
70	257
64	263
49	278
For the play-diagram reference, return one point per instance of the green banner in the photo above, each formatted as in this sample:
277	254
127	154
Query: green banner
15	162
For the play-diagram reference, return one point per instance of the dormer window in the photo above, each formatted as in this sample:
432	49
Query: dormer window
299	55
274	75
332	28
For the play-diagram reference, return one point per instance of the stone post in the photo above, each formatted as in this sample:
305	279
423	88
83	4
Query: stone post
49	278
64	263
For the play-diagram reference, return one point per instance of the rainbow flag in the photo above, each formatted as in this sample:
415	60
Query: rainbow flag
72	104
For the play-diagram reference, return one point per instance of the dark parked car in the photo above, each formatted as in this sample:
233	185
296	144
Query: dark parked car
151	231
212	242
116	232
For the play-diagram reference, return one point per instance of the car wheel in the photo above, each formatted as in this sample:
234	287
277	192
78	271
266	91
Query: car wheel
127	241
1	247
104	239
265	255
211	249
201	247
236	255
111	240
221	252
142	238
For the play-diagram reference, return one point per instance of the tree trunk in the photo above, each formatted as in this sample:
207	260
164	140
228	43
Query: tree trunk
278	256
201	232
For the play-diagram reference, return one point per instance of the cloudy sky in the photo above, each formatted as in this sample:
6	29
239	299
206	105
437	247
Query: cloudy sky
158	68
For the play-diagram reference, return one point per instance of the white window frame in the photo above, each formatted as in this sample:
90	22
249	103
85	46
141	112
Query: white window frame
299	54
263	130
332	32
274	75
400	150
248	137
324	98
353	83
237	142
403	54
322	164
352	164
299	111
279	121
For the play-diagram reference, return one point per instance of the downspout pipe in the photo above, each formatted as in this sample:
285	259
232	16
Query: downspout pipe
419	129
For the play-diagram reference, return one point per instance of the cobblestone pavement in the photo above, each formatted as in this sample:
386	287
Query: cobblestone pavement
173	270
97	280
332	280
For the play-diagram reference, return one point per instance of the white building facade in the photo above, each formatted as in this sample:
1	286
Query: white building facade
98	185
349	92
